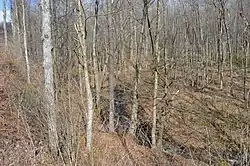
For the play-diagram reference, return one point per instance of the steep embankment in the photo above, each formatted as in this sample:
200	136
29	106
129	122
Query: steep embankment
112	149
15	145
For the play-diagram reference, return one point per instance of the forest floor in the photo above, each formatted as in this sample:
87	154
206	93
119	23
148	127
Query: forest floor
202	125
202	122
15	145
18	147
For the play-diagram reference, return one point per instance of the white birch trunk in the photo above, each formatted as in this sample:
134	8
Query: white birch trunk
25	43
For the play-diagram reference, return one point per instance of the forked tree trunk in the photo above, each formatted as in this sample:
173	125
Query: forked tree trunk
228	45
156	55
82	36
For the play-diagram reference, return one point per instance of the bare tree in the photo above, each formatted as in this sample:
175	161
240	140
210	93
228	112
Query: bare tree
48	75
4	24
12	21
137	66
95	65
246	46
17	25
25	43
220	53
82	36
156	54
128	60
111	69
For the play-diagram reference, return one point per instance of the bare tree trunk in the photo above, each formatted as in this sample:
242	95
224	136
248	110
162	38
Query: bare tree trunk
153	131
166	70
132	51
97	81
245	74
146	44
48	75
137	75
82	35
134	41
122	40
4	25
135	100
80	82
111	72
228	45
219	49
157	59
13	23
236	27
25	43
229	52
17	24
156	54
111	94
246	33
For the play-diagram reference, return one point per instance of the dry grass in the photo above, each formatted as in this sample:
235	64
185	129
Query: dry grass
15	141
112	149
202	125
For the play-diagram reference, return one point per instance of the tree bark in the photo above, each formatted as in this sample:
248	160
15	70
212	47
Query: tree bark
137	75
156	54
82	36
17	24
13	26
245	74
111	72
4	25
25	43
48	75
219	48
97	80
